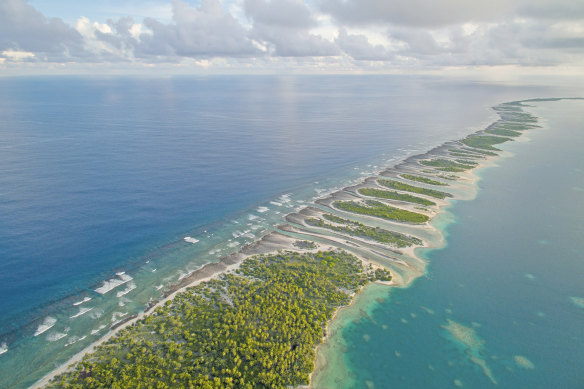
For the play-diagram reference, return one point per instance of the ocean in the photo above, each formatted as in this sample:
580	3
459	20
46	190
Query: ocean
113	188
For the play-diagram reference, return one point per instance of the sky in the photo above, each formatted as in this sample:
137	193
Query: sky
494	37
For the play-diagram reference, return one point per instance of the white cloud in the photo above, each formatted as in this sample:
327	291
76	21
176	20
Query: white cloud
284	28
419	13
280	13
23	28
206	31
371	35
359	47
15	55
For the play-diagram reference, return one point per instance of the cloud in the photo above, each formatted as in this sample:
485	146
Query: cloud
341	34
23	28
285	42
17	55
551	9
283	27
280	13
419	13
359	47
206	31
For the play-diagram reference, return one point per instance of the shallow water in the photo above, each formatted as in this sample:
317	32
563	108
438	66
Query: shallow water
499	304
103	179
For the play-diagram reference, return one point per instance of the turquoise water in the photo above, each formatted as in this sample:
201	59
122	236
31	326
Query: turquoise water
499	306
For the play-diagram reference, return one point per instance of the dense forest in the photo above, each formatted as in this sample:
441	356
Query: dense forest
254	328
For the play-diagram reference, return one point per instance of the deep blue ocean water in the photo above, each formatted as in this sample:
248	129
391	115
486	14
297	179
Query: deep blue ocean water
106	175
512	271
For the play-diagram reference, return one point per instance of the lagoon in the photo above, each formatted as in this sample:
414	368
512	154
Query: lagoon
498	306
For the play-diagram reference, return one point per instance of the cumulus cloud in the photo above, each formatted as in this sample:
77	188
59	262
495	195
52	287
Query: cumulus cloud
358	47
23	28
280	13
206	31
421	13
17	55
551	9
359	33
283	27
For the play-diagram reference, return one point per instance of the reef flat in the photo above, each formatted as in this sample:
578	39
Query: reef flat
255	318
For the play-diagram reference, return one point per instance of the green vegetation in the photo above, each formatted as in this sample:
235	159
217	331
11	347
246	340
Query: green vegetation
451	169
414	189
377	209
256	328
467	162
382	275
447	165
336	219
517	126
503	132
465	155
519	116
357	229
485	142
450	177
423	180
466	152
483	152
388	194
305	244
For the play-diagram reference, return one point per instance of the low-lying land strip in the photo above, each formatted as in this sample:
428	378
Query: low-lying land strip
447	165
360	230
388	194
424	180
485	142
392	184
384	211
503	132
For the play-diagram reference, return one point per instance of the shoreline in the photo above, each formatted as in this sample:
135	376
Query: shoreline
409	266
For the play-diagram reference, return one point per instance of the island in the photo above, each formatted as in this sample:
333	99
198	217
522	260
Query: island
255	319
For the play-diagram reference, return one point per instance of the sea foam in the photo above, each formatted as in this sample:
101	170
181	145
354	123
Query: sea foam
3	348
262	209
82	311
47	324
57	335
85	299
96	314
131	286
96	331
116	316
114	283
191	240
74	339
